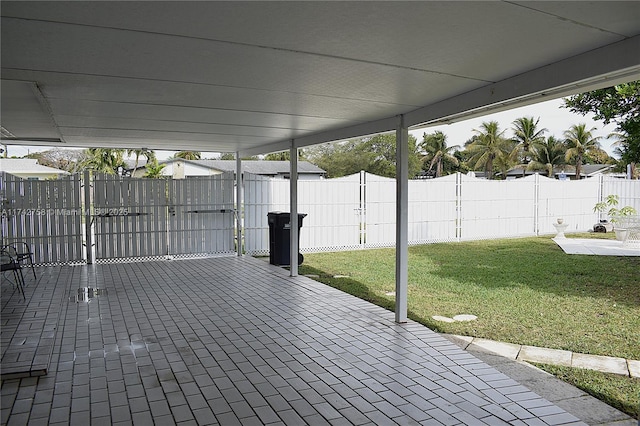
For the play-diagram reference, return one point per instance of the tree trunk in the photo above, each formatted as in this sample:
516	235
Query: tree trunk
489	168
578	167
135	166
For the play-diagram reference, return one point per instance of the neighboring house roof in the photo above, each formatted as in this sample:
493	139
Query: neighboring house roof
130	163
480	174
258	167
27	166
588	170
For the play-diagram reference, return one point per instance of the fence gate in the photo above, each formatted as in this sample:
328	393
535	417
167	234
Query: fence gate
146	218
201	215
129	217
46	214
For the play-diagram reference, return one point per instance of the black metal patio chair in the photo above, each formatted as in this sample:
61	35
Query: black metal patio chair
25	253
9	262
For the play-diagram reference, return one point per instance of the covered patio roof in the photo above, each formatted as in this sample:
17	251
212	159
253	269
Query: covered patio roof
251	77
257	77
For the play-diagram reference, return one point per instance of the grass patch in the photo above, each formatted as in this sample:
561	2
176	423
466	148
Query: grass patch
620	392
524	291
594	235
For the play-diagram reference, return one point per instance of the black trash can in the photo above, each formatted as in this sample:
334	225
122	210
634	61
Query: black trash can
279	238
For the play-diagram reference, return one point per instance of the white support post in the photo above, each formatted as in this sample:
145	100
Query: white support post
87	218
239	183
402	219
362	209
600	195
293	200
536	204
458	206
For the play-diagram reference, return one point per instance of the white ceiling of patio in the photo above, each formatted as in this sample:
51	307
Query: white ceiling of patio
252	76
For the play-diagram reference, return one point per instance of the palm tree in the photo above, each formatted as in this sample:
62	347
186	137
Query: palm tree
103	160
546	155
580	141
437	151
188	155
508	159
145	152
488	144
526	133
154	170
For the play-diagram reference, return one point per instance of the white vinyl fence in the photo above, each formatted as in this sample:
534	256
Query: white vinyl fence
334	213
113	219
125	218
46	214
201	215
358	211
147	218
129	217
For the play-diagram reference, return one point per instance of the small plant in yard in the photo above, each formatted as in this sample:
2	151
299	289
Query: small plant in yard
610	206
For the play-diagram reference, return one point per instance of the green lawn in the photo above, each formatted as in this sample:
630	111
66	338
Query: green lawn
620	392
524	291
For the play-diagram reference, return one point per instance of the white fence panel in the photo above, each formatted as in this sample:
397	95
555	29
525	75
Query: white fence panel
570	200
333	211
380	211
332	208
497	208
628	191
45	214
201	215
261	196
256	202
130	217
433	210
358	211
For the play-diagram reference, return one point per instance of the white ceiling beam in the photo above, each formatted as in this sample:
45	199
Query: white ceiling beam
359	130
604	67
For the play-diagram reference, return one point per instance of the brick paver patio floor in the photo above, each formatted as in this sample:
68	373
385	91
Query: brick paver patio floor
237	341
